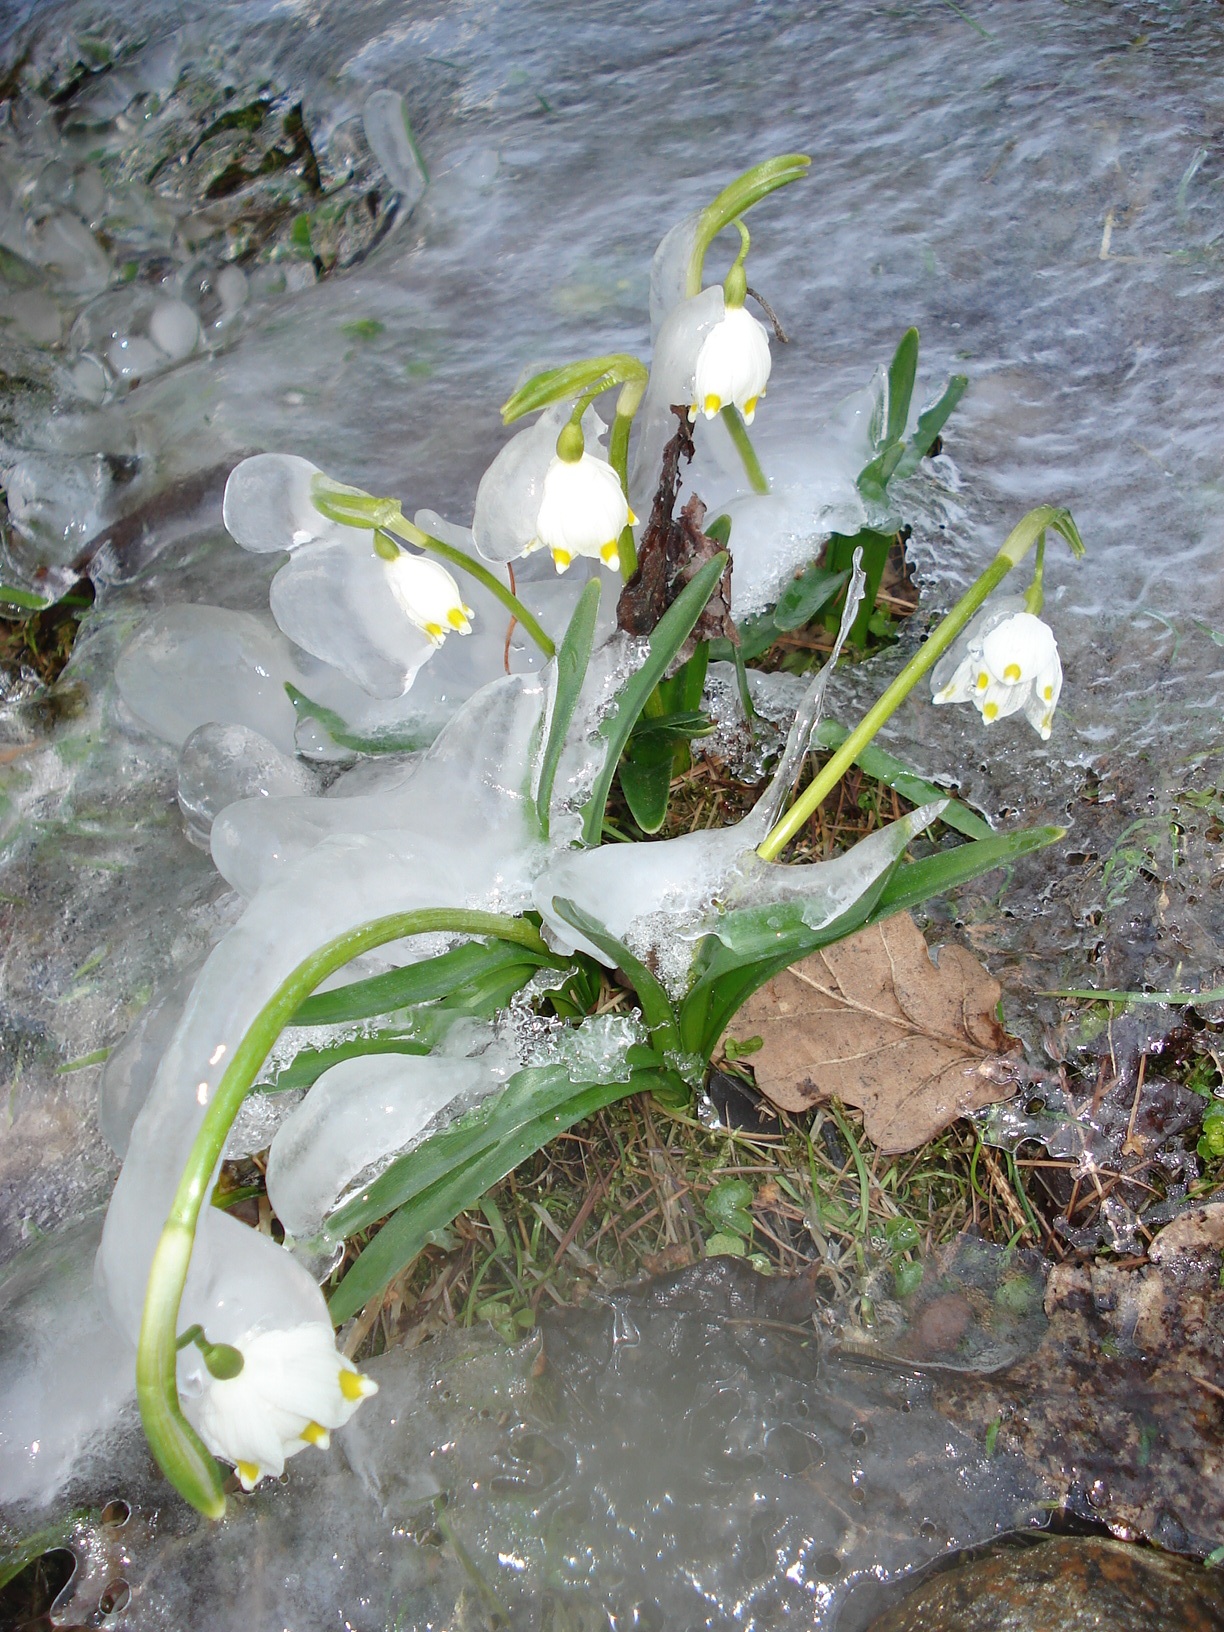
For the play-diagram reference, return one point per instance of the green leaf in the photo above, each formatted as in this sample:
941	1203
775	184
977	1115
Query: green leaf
804	596
894	773
670	633
573	380
930	422
740	195
875	547
344	737
416	982
451	1171
645	778
918	881
573	656
309	1064
657	1008
10	596
901	373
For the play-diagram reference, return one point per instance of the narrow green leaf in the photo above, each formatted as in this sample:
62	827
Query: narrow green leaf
669	635
460	1184
562	384
930	422
657	1008
901	373
343	736
804	596
645	778
895	773
309	1064
573	656
918	881
11	596
414	982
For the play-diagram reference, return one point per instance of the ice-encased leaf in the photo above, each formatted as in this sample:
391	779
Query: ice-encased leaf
669	270
268	505
335	600
389	133
466	802
362	1114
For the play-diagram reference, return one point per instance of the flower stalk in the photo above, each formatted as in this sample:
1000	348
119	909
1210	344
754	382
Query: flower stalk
1027	532
738	431
740	195
179	1451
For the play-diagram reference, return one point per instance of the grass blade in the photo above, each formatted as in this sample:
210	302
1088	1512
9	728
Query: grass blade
657	1008
918	881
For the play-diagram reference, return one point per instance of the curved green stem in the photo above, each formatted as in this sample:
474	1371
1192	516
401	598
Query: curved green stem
594	374
734	421
180	1452
1019	541
405	529
741	195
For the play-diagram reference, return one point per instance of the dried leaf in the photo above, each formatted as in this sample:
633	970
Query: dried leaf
880	1022
670	553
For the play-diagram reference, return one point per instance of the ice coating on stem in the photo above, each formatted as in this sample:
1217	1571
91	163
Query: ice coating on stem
362	1114
669	270
348	880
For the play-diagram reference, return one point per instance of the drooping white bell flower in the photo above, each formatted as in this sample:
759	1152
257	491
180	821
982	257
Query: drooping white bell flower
732	366
337	597
583	511
429	596
1006	662
293	1389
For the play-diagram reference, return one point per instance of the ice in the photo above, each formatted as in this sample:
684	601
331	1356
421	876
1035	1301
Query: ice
62	244
175	328
190	666
671	384
389	133
221	764
669	271
269	505
133	1062
65	1372
362	1114
509	494
464	799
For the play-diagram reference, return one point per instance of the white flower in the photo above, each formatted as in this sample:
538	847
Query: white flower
1009	664
430	597
583	511
732	366
293	1389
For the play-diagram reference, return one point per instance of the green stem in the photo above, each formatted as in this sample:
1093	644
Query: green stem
181	1453
618	458
1016	546
742	194
733	420
1034	595
403	528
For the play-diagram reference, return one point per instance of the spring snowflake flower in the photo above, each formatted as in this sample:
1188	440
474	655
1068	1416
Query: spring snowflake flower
430	597
732	366
1009	664
583	511
293	1389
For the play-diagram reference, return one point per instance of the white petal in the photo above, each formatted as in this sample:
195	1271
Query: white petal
732	365
429	596
336	601
961	686
583	509
1019	648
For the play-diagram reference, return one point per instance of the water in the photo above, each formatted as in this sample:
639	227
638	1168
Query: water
1036	188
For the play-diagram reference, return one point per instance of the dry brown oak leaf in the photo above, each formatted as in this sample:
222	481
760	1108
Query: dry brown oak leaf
907	1035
